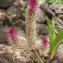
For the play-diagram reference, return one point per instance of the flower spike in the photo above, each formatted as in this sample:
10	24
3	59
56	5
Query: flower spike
31	13
13	39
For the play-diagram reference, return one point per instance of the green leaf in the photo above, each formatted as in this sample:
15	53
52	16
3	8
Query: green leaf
41	1
23	8
56	1
48	22
52	34
13	23
56	43
8	13
51	29
2	27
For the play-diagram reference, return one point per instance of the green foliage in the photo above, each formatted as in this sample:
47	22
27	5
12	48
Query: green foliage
51	1
23	8
51	32
8	13
54	40
56	1
15	22
57	42
41	1
2	27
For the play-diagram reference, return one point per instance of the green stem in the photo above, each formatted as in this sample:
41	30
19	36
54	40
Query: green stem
38	57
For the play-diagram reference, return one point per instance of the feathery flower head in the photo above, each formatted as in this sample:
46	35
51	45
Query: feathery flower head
11	34
31	13
44	42
32	5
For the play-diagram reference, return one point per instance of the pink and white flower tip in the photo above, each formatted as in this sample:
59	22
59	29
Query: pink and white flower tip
44	42
32	5
11	34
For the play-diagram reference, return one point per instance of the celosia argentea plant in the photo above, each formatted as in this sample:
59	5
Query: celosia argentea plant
54	40
13	39
31	13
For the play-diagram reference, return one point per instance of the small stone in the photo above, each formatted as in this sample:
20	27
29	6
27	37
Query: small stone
55	61
13	14
40	16
1	23
44	6
58	20
42	29
50	13
58	12
54	7
5	3
60	16
3	37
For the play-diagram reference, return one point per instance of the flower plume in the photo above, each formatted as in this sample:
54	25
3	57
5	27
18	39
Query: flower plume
32	5
31	13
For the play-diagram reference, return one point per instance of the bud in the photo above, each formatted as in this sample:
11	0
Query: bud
32	5
44	47
44	42
21	2
3	14
11	33
12	36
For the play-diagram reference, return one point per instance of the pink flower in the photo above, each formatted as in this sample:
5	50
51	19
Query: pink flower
44	42
33	5
11	34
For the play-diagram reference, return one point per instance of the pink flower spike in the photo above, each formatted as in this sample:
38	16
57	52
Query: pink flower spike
44	42
11	34
33	5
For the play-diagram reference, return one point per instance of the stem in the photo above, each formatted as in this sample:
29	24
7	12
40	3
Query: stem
38	57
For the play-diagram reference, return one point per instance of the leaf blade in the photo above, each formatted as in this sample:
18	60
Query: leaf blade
57	42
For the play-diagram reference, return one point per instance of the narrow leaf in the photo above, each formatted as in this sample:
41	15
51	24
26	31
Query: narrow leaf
51	28
52	34
48	22
56	42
